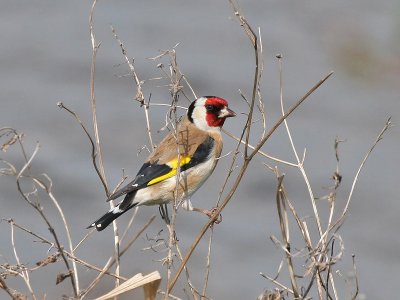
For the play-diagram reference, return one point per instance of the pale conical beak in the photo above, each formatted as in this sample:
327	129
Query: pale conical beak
226	113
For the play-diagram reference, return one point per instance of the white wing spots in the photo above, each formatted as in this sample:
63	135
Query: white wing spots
116	210
98	225
135	185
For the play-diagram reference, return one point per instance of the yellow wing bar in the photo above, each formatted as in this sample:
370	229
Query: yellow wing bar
173	164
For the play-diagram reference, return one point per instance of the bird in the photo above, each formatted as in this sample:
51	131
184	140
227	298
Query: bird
193	150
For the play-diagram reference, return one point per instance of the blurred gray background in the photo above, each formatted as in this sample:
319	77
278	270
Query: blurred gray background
45	57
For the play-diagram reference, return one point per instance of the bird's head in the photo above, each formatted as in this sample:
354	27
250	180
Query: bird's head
209	112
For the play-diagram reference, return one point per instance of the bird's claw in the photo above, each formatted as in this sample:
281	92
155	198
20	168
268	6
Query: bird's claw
211	212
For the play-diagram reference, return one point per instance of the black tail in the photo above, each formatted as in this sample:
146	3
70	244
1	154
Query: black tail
108	217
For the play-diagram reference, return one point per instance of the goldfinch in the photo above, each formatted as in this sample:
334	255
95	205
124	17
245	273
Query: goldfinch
193	150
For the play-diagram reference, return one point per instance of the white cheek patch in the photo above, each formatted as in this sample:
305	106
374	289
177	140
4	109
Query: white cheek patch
199	119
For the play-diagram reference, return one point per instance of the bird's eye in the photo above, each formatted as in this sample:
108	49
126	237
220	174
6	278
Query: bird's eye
210	107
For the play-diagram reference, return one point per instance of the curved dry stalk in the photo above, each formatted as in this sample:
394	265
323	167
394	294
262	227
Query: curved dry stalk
300	163
139	91
208	264
356	276
39	209
66	227
284	224
95	47
339	221
189	281
24	271
92	143
254	40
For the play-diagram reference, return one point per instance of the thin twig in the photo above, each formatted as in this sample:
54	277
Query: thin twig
277	283
95	47
356	276
284	224
208	263
300	164
24	273
48	189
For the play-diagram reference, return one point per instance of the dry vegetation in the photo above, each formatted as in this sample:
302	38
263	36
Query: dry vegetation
310	267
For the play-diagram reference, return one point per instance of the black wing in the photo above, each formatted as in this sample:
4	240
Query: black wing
146	173
150	172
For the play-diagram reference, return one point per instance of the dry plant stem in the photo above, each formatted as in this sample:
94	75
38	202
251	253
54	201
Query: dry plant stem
60	211
139	92
329	269
169	295
93	153
98	171
277	283
19	139
299	163
112	260
339	222
253	39
193	290
95	47
39	209
260	99
70	255
355	274
10	292
239	178
175	87
262	153
25	273
208	264
284	224
388	124
300	166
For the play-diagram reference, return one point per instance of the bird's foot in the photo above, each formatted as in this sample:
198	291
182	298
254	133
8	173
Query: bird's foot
210	213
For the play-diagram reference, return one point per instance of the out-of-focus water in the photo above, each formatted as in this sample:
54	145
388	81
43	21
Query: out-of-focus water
45	57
